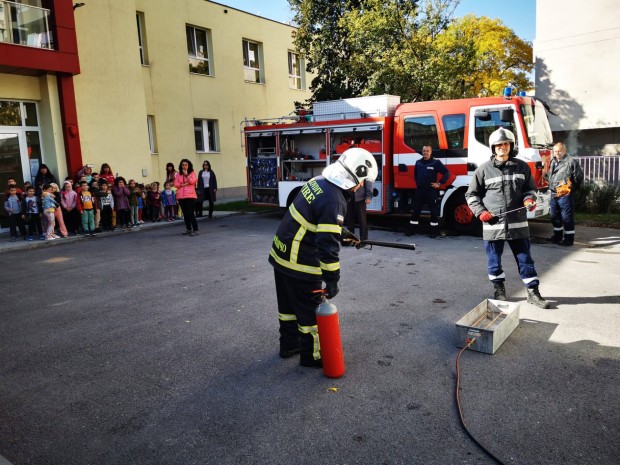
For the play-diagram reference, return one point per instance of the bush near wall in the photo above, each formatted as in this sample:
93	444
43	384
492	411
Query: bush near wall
599	198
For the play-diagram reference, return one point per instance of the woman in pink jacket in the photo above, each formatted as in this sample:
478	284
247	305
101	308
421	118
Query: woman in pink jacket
185	182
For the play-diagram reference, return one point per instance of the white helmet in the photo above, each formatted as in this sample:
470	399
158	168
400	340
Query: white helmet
354	166
500	136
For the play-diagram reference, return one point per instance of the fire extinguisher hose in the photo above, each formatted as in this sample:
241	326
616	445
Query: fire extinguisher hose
458	402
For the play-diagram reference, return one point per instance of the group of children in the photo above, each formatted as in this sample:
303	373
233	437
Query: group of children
95	203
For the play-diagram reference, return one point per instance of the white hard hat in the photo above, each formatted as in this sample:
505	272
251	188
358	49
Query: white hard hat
354	166
500	136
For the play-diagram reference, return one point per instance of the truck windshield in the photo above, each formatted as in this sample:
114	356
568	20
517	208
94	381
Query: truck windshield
536	125
486	126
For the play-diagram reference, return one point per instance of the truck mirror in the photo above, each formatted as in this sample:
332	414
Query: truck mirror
482	115
507	115
375	192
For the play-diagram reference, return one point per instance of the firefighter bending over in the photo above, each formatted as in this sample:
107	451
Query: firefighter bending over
306	247
499	187
426	171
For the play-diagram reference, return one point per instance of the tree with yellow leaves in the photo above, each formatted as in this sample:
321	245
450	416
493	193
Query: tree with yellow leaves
410	48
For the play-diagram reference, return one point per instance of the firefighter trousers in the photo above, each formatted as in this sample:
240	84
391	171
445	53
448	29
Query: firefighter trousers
562	215
521	251
428	197
297	314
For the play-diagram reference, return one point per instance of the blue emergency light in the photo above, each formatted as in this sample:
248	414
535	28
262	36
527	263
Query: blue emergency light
522	93
507	92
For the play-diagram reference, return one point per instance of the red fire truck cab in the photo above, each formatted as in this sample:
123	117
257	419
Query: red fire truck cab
283	153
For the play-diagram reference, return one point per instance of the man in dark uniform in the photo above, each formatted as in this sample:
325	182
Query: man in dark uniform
306	247
426	171
500	192
564	176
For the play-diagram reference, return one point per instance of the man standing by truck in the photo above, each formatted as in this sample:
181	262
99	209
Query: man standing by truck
427	189
306	247
500	192
564	176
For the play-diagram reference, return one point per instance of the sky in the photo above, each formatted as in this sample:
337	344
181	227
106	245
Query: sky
520	15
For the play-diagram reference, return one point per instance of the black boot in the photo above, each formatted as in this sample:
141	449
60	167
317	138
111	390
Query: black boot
500	291
310	362
410	229
534	298
556	238
434	232
568	240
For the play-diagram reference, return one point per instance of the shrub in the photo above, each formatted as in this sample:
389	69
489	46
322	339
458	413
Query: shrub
582	198
604	197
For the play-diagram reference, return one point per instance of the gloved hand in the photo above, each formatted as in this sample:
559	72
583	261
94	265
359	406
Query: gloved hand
530	204
563	189
486	216
331	289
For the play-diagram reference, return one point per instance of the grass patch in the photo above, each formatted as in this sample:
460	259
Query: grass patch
242	206
601	220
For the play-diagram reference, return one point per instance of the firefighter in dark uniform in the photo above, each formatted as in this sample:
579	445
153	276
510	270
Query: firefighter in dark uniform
564	176
500	191
426	171
306	247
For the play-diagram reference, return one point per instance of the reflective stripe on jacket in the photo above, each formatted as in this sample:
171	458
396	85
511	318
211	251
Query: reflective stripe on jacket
499	188
306	245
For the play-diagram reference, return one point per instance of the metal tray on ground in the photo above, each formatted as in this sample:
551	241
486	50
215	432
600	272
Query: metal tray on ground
490	322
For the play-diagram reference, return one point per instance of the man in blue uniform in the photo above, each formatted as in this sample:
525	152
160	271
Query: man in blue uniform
500	191
426	171
306	247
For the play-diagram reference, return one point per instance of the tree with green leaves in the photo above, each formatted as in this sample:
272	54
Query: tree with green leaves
410	48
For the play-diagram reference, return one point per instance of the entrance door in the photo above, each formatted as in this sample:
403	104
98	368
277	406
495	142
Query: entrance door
20	146
11	166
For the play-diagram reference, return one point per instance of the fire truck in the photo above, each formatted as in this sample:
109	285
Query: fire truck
283	153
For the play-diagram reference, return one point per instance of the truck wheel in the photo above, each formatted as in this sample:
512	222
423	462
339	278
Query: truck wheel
460	218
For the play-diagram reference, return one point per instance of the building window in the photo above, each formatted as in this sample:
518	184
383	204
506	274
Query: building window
295	79
198	52
252	60
144	59
205	133
150	123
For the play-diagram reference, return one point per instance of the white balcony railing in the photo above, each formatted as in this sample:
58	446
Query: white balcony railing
25	25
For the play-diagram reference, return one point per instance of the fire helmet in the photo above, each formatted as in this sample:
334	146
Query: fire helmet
354	166
500	136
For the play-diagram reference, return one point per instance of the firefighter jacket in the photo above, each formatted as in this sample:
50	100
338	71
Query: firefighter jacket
426	172
498	188
306	245
562	170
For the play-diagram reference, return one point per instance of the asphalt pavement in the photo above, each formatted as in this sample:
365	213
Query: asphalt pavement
149	347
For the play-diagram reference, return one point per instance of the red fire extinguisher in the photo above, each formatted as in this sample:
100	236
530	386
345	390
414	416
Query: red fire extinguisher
329	338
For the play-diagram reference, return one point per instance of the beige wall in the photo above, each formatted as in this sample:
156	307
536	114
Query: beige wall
577	50
115	92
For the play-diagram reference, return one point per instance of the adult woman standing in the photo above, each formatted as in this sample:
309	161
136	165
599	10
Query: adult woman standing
185	182
44	176
171	173
207	186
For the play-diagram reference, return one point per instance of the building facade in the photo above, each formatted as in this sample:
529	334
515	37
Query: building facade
577	53
137	84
